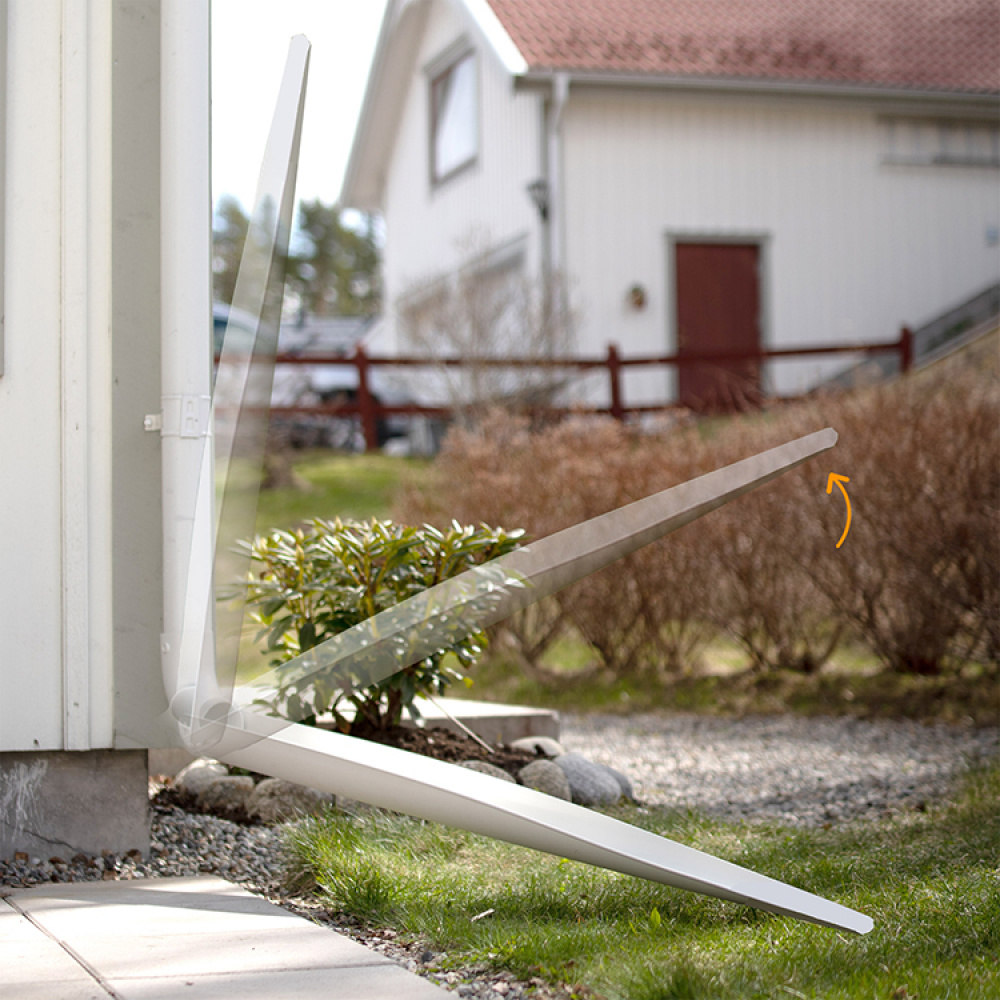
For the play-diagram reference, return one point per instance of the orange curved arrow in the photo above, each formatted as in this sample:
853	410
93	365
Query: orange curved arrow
840	480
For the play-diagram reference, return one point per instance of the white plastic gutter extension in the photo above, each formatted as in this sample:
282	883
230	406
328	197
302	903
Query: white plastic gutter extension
344	765
187	642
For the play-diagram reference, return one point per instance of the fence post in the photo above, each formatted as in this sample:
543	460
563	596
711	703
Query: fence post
614	374
366	405
905	349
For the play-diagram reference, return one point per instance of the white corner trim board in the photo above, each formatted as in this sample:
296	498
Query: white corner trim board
200	680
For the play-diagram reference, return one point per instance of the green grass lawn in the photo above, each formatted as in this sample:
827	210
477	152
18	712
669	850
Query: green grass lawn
344	486
853	684
930	881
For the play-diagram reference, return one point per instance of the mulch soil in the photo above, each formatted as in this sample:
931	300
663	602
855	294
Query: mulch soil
443	744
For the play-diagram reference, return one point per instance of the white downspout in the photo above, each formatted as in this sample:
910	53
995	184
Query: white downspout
186	315
554	158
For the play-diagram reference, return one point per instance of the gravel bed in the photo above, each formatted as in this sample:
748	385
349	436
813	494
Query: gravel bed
797	771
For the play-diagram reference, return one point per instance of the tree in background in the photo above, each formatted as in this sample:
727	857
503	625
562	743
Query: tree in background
229	233
333	268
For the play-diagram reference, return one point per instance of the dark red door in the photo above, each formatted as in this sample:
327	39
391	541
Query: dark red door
718	313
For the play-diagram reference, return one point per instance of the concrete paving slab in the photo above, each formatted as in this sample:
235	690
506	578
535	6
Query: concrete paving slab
488	720
302	946
151	906
28	956
68	990
384	982
35	967
158	939
13	926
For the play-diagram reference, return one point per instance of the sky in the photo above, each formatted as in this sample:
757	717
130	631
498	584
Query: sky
249	46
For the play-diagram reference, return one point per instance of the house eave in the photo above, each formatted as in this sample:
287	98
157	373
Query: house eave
945	102
395	52
378	118
497	37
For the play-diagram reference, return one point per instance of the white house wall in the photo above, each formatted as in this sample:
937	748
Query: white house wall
80	575
30	426
431	228
853	248
55	394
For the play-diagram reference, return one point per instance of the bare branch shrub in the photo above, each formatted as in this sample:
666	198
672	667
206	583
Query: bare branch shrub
919	576
761	552
673	577
490	309
645	611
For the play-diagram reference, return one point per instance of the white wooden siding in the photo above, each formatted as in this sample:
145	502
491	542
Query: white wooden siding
80	533
30	425
55	394
429	228
855	247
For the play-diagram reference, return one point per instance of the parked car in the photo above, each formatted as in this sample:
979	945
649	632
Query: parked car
304	385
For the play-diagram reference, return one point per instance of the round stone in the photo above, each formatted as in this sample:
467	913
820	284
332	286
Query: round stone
484	767
545	776
589	783
275	800
623	781
539	744
226	794
199	773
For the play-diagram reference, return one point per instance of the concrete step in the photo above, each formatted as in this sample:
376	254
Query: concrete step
492	722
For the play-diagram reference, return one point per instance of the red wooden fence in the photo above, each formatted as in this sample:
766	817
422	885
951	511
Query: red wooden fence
370	410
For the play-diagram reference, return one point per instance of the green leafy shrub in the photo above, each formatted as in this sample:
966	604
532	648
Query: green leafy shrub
311	584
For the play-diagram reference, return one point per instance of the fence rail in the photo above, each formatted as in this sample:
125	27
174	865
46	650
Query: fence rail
370	409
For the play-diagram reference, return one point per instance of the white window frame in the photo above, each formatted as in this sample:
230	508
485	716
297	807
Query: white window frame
926	142
461	53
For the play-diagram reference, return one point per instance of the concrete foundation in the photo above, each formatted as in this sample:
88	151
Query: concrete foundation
59	804
166	763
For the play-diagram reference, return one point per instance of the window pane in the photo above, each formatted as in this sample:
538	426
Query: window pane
455	131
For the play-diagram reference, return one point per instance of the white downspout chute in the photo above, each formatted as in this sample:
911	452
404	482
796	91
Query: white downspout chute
201	690
187	643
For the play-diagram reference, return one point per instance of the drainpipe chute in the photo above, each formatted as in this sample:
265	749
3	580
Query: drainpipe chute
200	681
187	646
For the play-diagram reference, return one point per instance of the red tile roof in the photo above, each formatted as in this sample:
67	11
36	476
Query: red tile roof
919	44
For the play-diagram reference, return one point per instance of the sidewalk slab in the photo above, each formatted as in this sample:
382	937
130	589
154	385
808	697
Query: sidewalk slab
36	967
159	939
